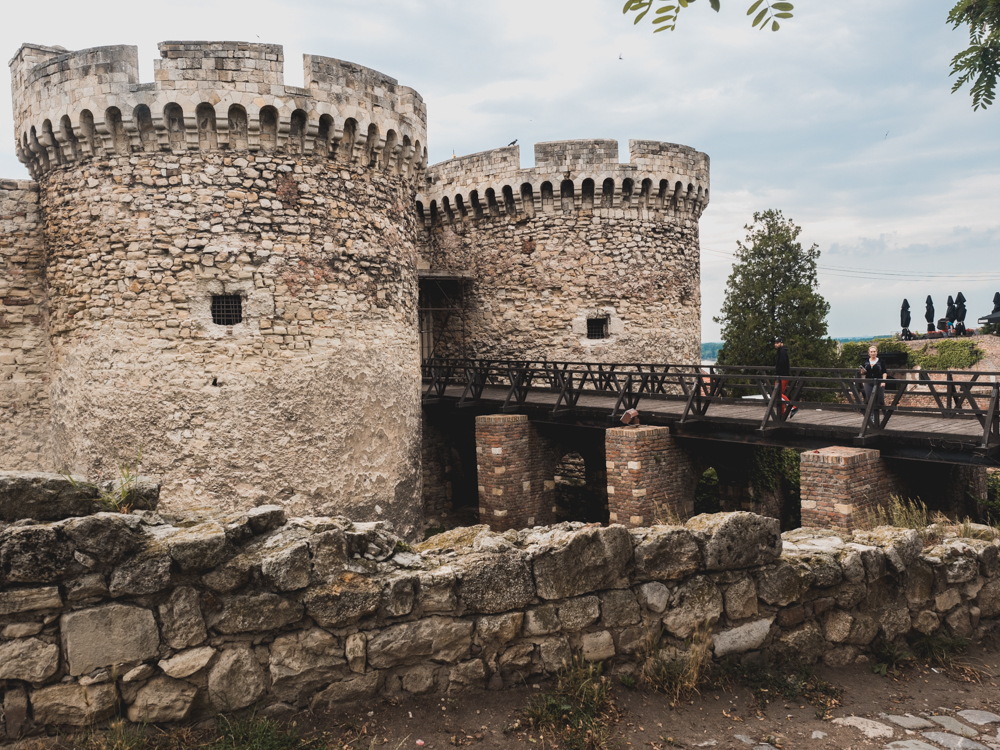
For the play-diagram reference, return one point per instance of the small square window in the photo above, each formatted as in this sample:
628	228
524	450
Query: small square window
227	309
597	328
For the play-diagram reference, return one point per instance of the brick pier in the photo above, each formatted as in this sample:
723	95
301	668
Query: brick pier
650	477
842	486
516	487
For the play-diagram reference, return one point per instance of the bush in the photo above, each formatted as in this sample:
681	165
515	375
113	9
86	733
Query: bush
851	352
939	354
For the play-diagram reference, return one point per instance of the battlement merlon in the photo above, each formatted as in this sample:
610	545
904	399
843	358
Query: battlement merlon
659	175
70	105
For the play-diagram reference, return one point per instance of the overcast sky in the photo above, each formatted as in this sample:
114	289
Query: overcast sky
844	119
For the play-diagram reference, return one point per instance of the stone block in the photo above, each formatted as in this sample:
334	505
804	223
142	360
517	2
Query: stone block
183	622
739	640
696	603
28	659
666	553
251	613
588	559
737	540
303	662
108	635
73	705
236	680
597	646
439	638
162	700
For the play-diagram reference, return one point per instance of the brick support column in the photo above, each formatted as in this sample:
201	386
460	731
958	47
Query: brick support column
650	476
841	486
515	490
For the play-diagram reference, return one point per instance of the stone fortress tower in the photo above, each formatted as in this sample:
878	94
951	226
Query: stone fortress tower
579	258
241	277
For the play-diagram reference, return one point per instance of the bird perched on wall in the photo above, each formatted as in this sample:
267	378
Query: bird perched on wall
513	142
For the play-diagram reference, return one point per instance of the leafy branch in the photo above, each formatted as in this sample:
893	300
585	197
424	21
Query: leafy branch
979	65
665	18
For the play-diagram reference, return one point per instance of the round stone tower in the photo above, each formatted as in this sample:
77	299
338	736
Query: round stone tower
578	258
231	271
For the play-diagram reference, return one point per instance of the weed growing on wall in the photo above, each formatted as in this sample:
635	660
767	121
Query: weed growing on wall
116	495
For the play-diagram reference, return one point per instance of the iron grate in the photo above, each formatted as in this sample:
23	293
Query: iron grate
597	328
227	309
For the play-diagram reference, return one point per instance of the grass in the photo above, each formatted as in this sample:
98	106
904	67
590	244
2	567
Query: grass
939	648
681	676
248	733
116	496
578	712
902	513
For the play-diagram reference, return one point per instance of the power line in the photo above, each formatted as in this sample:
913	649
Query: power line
884	274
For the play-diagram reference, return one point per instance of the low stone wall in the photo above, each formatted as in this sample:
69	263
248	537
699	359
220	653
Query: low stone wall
165	618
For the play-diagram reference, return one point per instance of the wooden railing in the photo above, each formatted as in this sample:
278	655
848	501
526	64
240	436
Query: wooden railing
948	394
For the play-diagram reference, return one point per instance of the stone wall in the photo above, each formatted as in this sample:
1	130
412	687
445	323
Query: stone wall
172	617
24	342
578	237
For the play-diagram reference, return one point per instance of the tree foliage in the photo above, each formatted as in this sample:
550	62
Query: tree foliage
772	292
978	66
665	18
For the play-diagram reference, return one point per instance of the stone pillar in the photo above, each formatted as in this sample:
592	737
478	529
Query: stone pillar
650	476
515	490
841	486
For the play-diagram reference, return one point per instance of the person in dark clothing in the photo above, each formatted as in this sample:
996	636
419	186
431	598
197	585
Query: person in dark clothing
783	369
874	372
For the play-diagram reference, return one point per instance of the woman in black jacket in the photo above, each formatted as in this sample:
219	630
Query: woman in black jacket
873	370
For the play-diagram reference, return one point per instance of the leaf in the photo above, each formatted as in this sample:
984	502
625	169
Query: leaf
774	26
715	5
640	17
782	15
754	7
663	28
629	4
782	6
666	9
760	16
664	19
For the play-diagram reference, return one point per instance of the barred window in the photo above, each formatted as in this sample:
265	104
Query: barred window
597	328
227	309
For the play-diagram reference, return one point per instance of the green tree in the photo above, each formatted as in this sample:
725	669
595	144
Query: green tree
772	292
979	65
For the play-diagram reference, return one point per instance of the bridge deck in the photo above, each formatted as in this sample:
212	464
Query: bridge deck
656	411
952	414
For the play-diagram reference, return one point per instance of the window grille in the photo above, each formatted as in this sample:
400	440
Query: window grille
597	328
227	309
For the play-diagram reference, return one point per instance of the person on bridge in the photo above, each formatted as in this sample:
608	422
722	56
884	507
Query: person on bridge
873	370
783	369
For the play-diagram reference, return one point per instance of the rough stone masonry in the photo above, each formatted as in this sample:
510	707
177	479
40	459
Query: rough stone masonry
225	272
173	616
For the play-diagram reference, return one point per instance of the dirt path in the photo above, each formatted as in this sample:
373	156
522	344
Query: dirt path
720	719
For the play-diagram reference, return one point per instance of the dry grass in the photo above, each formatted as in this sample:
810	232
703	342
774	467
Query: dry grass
681	673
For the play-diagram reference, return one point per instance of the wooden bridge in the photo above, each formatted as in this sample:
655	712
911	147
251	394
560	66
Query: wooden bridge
935	415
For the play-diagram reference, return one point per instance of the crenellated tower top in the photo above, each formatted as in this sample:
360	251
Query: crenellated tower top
74	105
567	176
